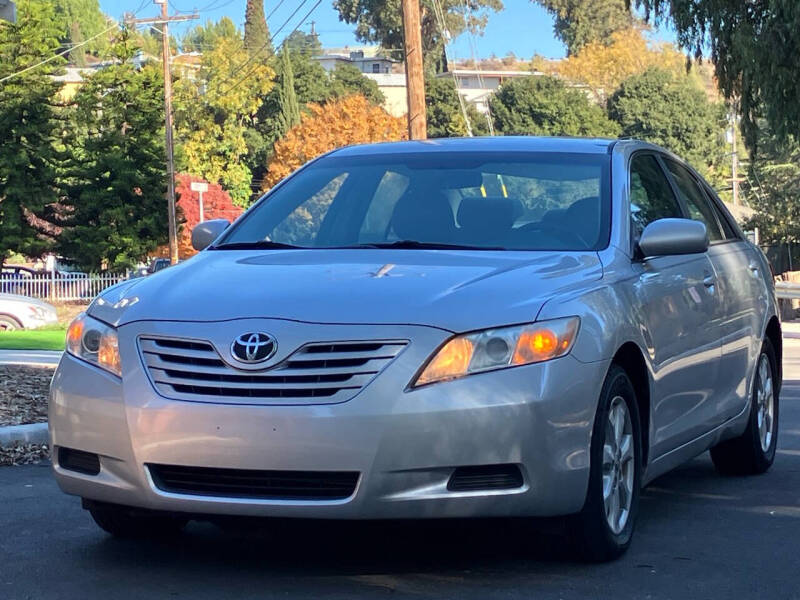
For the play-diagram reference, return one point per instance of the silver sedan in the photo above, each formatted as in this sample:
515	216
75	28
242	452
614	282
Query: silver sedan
22	312
455	328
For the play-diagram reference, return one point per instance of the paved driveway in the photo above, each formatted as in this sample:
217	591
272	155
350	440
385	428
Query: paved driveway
699	536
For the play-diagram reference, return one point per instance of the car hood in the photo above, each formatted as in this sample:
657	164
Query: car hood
453	290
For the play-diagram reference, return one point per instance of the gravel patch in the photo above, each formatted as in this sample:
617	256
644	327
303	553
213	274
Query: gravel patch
23	454
23	394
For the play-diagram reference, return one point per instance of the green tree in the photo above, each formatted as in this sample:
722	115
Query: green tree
754	47
29	127
311	84
215	113
256	33
445	116
204	38
347	79
289	108
579	22
544	105
670	110
113	212
78	55
90	21
381	21
303	43
775	178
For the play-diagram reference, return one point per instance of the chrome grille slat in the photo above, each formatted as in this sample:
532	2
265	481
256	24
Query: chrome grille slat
356	381
319	372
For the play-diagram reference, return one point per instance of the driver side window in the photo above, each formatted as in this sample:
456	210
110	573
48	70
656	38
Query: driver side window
651	195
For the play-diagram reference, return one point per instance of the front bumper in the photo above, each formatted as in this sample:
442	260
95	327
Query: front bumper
404	444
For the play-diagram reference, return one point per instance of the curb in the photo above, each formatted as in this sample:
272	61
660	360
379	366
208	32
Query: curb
35	433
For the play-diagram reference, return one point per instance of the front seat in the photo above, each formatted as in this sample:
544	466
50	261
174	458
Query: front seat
424	217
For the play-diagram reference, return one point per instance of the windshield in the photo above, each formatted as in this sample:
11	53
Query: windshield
480	200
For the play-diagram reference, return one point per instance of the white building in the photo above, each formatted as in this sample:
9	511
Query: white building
477	85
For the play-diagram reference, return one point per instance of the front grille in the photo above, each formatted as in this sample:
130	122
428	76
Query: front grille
485	477
260	485
326	372
79	461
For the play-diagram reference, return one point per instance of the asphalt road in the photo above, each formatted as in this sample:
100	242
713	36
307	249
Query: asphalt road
699	536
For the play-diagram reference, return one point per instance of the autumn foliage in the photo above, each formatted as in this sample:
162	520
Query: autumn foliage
604	66
217	204
350	120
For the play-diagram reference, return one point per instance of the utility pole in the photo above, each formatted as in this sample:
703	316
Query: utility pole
164	19
415	79
734	164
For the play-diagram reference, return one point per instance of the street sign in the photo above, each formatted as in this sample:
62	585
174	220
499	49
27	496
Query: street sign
199	186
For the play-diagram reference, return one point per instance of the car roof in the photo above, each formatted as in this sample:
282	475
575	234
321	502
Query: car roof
484	144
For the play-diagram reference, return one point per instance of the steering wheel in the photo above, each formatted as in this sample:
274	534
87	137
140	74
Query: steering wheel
550	228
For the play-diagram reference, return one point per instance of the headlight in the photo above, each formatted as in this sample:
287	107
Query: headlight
94	342
500	348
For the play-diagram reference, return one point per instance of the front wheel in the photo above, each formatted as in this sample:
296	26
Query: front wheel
604	528
753	452
9	323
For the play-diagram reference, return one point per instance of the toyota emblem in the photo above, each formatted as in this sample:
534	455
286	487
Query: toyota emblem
253	347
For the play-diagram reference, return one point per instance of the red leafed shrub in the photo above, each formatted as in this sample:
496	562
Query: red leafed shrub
217	204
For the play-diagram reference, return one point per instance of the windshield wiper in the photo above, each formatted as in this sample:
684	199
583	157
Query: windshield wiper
256	245
417	245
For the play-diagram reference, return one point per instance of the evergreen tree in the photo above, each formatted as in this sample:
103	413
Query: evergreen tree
445	117
256	33
114	212
669	109
290	109
347	79
29	127
754	47
78	55
544	105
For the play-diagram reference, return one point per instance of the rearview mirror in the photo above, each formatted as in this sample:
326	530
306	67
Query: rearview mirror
207	231
666	237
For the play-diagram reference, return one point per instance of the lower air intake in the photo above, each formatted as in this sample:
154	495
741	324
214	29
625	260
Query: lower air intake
79	461
485	477
253	484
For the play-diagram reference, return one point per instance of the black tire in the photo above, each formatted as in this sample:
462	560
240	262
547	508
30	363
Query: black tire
592	536
8	323
124	522
744	455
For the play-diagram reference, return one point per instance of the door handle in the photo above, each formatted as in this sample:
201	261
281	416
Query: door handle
709	281
753	269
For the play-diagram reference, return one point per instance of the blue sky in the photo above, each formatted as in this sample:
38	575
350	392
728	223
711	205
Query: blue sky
523	28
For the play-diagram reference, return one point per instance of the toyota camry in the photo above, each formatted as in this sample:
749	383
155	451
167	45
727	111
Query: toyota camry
454	328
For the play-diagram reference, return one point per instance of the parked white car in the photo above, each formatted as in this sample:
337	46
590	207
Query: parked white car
22	312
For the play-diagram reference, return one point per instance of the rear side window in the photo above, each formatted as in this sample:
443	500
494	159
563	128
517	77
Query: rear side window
651	194
696	202
728	230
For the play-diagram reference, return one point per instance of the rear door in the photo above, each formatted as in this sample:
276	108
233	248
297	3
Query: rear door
679	312
740	288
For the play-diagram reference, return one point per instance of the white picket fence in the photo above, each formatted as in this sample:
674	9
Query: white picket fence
59	287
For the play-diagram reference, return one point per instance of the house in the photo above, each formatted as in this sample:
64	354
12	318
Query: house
477	85
366	60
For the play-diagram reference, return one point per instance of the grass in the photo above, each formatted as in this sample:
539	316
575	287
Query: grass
46	338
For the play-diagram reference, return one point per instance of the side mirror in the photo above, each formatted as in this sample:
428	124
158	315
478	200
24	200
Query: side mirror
208	231
666	237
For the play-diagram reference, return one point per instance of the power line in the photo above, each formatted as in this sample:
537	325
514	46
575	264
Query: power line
55	56
272	37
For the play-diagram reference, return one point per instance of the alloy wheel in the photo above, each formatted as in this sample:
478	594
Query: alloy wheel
618	465
765	402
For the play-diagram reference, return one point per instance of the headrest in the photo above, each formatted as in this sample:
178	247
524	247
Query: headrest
490	213
424	217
